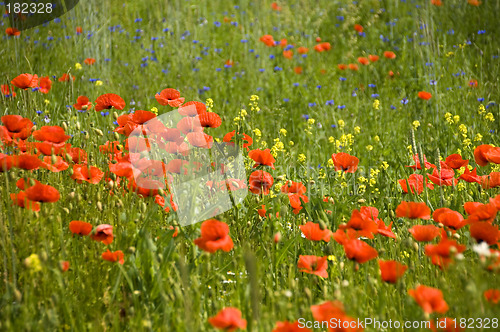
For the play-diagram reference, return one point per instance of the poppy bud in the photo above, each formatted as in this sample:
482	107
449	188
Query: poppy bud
71	171
66	210
43	256
131	250
99	132
34	128
361	200
415	245
117	136
99	206
17	295
283	210
322	225
70	206
72	195
280	178
78	126
78	197
277	237
115	115
307	292
53	159
143	207
456	236
87	136
12	176
65	125
111	184
161	192
341	265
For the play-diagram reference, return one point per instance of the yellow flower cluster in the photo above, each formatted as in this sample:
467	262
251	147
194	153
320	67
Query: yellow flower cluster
416	124
277	147
210	104
254	103
376	104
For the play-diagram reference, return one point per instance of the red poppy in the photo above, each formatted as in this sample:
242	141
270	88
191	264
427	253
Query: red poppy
313	265
492	155
82	103
12	32
313	232
45	84
455	161
103	233
26	161
482	212
89	61
229	138
413	210
391	271
416	182
5	162
262	211
64	265
200	140
80	227
53	134
55	163
490	181
295	201
228	319
475	3
66	78
358	27
364	61
436	3
274	6
302	50
373	58
353	67
77	155
17	126
116	256
424	233
362	224
342	66
108	101
469	176
260	182
385	230
443	177
6	90
262	157
492	295
169	97
21	200
42	193
268	40
327	310
345	162
25	81
449	218
442	253
424	95
390	55
429	299
79	30
293	187
359	251
214	236
192	108
210	119
484	231
289	327
25	183
288	54
90	174
417	165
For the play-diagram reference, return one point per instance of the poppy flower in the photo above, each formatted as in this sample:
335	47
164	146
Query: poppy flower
358	27
109	100
262	211
64	266
103	233
90	174
362	224
469	176
313	265
413	210
495	201
21	200
455	161
335	310
345	162
229	138
89	61
294	187
342	66
298	70
200	140
268	40
288	54
66	78
77	155
389	55
364	61
25	81
373	58
228	319
484	231
26	161
417	165
313	232
295	201
429	299
424	95
262	157
490	181
6	90
359	251
391	271
442	253
210	119
260	182
492	155
79	30
170	97
274	6
353	67
12	32
302	50
55	163
416	182
80	227
492	295
385	230
53	134
116	256
449	218
444	176
45	84
17	126
436	3
192	108
424	233
214	236
287	326
482	212
475	3
82	103
479	154
42	193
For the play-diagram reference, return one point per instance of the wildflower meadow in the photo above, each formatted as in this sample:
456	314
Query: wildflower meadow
297	165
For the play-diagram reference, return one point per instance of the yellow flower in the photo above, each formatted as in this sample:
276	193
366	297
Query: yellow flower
291	143
456	118
32	262
98	83
357	130
489	117
257	132
210	104
384	165
154	110
478	137
376	139
341	124
301	158
369	147
78	66
331	139
416	124
283	131
311	121
376	104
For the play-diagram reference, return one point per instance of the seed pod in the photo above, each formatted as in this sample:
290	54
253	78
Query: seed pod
53	159
322	225
117	136
99	206
115	115
65	126
78	126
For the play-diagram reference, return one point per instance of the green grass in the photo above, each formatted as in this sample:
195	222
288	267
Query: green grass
169	284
